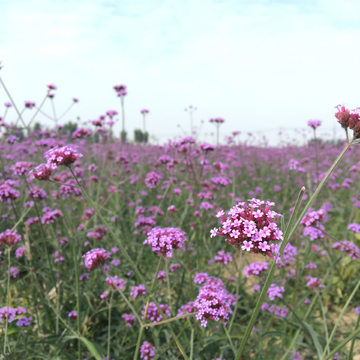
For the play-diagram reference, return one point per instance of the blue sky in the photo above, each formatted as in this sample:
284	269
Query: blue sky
261	65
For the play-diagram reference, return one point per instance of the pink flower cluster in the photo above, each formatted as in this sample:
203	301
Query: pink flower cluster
21	168
354	227
312	218
288	256
250	226
115	282
346	246
36	193
313	282
94	258
153	312
256	268
275	291
129	319
349	119
98	234
81	132
51	216
276	310
138	290
165	240
65	155
223	257
187	308
10	313
147	351
314	123
152	179
7	192
9	238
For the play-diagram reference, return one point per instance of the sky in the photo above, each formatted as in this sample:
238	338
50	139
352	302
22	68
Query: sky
263	66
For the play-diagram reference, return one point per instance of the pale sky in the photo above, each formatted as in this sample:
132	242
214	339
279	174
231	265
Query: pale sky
260	65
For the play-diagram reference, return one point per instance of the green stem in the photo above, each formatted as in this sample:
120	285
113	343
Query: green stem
109	325
350	357
192	344
77	282
136	354
169	320
7	302
230	341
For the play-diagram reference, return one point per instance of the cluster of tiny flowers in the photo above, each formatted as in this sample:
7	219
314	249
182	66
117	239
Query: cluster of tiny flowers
51	216
346	246
94	258
65	155
256	268
42	172
174	267
21	168
9	238
72	315
138	290
250	226
19	252
314	123
275	291
7	192
313	282
312	218
276	310
88	213
147	351
37	193
98	234
288	256
152	179
58	257
187	308
200	278
349	119
354	227
153	313
129	319
11	313
165	240
223	257
81	132
212	304
115	282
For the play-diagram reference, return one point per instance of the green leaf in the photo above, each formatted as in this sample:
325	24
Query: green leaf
314	339
90	347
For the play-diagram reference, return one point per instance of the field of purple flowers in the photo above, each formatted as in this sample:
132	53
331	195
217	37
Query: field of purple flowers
112	249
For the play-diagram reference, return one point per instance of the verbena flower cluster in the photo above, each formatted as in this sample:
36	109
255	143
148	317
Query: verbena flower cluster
94	258
165	240
9	238
153	313
256	268
346	246
250	227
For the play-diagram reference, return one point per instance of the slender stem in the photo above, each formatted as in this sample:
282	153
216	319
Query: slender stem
7	302
169	320
77	282
350	357
229	339
146	310
167	279
191	344
109	325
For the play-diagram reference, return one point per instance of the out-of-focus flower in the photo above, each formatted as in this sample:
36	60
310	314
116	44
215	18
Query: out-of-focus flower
94	258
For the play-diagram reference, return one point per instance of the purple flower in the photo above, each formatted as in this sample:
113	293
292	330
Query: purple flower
200	278
129	319
165	240
153	312
152	179
275	291
187	308
138	290
73	315
346	246
9	238
174	267
147	351
94	258
314	123
115	282
354	227
98	234
223	257
19	252
256	268
65	155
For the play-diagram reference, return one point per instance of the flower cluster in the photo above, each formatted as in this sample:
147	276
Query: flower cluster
312	218
165	240
346	246
65	155
98	234
138	290
73	315
147	351
21	168
51	216
187	308
129	319
212	304
250	226
115	282
349	119
7	192
288	256
275	291
81	132
313	282
256	268
223	257
9	238
153	313
42	172
276	310
94	258
354	227
10	313
314	123
37	193
152	179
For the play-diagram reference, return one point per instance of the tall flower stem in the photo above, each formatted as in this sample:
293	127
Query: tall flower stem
7	301
136	354
288	234
350	357
109	325
77	282
169	320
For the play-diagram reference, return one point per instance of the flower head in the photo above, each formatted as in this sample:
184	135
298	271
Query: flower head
165	240
94	258
42	172
147	351
65	155
9	238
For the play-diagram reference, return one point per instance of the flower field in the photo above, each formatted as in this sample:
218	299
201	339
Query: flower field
112	249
